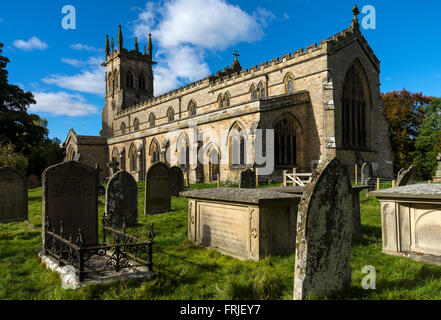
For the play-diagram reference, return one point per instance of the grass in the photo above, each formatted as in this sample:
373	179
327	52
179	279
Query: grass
187	272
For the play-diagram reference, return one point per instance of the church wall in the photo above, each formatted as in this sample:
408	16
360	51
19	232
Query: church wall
378	130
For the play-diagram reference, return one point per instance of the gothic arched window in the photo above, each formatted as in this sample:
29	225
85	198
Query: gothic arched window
237	146
289	83
136	125
227	98
132	158
192	108
123	128
354	109
129	79
154	152
170	114
285	142
152	120
262	90
213	165
141	82
183	153
254	94
220	101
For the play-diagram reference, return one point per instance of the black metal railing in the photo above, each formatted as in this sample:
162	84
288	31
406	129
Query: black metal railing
118	251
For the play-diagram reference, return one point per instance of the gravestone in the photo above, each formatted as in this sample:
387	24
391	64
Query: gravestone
101	189
70	195
324	233
33	182
157	189
122	200
13	195
366	173
404	176
176	181
248	179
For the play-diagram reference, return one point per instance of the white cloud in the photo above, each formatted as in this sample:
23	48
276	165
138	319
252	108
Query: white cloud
83	47
184	31
93	61
31	44
86	81
62	103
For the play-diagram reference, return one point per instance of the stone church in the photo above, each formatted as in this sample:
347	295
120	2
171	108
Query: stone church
321	102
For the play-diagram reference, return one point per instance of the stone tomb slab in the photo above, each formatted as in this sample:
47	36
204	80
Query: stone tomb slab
411	221
356	198
176	181
248	224
324	233
70	195
13	195
157	189
122	200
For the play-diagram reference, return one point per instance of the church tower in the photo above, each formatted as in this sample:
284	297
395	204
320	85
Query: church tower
129	79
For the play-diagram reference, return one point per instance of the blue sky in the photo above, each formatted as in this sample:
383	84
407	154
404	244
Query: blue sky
194	38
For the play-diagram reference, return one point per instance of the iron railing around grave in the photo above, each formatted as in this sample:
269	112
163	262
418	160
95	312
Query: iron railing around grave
119	250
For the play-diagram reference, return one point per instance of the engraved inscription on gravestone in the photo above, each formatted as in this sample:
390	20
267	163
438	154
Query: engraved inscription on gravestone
122	200
157	189
70	195
176	181
13	195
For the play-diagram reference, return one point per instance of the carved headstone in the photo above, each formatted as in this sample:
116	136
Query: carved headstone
366	173
248	179
404	176
157	189
122	200
33	182
437	177
70	195
324	233
13	195
176	181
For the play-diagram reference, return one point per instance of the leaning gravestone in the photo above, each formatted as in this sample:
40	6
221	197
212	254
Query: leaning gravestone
324	233
248	179
13	195
176	181
122	200
157	189
404	176
70	195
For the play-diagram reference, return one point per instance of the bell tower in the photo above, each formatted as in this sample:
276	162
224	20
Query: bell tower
129	79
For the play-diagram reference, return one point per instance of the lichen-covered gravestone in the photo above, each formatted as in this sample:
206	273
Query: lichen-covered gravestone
70	195
324	233
404	176
248	179
122	200
13	195
176	181
157	189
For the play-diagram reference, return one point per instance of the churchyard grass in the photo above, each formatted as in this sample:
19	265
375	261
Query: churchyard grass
187	272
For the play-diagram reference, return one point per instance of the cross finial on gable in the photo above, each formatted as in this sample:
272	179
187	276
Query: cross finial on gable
355	11
236	55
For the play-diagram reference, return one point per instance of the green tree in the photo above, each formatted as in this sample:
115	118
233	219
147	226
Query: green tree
8	157
428	141
404	111
27	133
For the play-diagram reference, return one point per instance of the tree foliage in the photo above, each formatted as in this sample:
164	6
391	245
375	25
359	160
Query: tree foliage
27	133
428	141
8	157
404	111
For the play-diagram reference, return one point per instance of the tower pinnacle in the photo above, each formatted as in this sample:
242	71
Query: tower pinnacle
150	46
120	38
107	49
